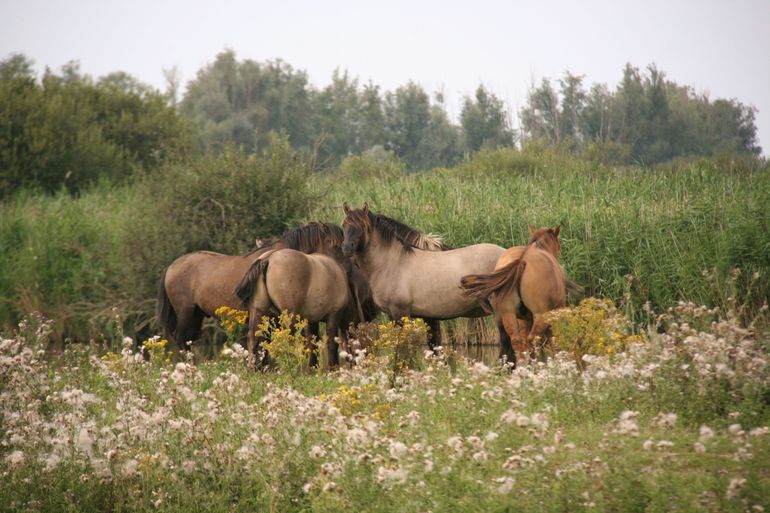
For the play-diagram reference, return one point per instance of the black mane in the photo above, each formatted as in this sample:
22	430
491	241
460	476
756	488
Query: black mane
308	238
390	230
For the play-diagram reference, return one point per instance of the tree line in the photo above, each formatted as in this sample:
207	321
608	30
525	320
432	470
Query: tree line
68	130
647	119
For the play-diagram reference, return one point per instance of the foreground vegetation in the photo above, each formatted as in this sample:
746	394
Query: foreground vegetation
671	421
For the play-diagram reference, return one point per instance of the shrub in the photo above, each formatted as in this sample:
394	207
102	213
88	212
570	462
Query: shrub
593	327
288	347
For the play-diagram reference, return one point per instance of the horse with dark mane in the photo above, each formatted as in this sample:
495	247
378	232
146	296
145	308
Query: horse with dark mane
198	283
526	283
409	281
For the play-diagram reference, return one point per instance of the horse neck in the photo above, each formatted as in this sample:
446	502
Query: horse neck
379	256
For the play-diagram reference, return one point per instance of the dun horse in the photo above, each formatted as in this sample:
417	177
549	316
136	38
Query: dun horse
527	282
198	283
315	286
408	281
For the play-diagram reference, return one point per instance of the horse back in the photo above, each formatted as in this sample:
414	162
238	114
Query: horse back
314	286
206	279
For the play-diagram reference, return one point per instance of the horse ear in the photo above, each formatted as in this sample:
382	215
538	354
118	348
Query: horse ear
345	208
556	230
532	229
366	208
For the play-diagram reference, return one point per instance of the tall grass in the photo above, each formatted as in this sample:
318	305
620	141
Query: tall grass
631	234
661	229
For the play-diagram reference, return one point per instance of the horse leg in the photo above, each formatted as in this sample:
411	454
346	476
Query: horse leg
539	327
188	327
517	331
311	336
434	336
506	351
332	346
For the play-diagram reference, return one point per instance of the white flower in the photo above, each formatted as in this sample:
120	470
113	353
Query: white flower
734	487
699	447
706	433
317	452
480	457
15	458
397	450
396	475
509	416
188	466
627	423
357	436
455	443
647	445
505	485
85	441
665	420
130	468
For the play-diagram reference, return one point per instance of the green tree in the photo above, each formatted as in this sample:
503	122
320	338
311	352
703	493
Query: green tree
541	117
338	117
484	121
243	102
68	131
572	106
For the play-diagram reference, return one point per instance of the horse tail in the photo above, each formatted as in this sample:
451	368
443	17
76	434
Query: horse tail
165	310
250	281
500	282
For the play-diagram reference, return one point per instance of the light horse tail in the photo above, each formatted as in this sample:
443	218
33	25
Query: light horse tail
501	282
165	310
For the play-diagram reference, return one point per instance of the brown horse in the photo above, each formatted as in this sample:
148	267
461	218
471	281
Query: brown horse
320	287
527	282
198	283
408	281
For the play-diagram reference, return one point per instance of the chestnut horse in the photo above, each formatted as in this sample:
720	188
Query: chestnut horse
408	281
527	282
198	283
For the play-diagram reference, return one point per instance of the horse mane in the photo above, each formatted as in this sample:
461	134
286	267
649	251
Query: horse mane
412	237
390	230
308	238
538	237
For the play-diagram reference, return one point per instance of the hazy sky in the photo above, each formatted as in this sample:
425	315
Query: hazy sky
719	47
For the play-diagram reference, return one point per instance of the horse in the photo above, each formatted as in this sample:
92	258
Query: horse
320	287
526	283
409	281
194	285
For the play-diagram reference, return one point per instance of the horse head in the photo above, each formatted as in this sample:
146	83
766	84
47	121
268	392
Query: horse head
546	238
355	229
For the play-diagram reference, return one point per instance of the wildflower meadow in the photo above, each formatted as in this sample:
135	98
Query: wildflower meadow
673	416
